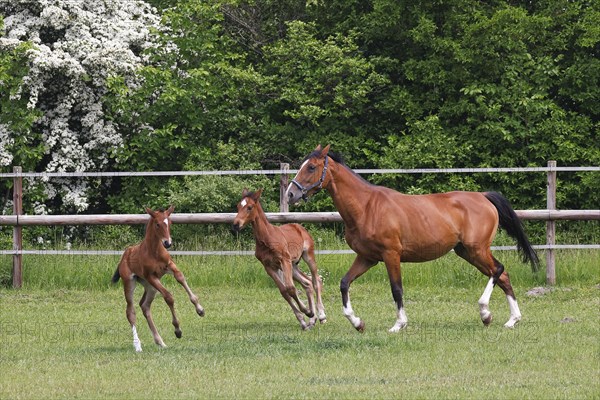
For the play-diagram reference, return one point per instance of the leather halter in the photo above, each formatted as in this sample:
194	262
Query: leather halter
318	184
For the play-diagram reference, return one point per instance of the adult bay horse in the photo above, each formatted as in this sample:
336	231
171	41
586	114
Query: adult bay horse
279	249
146	263
384	225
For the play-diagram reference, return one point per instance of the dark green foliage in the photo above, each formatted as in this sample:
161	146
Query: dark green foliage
390	84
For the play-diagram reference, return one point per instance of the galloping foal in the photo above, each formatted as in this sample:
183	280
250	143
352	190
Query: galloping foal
146	263
279	249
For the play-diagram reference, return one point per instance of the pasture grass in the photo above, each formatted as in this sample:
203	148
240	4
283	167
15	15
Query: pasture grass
65	335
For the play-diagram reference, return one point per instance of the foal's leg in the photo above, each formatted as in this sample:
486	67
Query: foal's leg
181	279
359	267
155	282
392	264
305	282
309	258
129	288
285	294
288	282
145	304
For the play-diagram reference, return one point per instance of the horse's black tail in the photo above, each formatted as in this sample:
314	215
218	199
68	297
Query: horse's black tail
510	222
116	276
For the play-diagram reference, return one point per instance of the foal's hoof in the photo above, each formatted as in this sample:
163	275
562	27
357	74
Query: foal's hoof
361	327
323	321
178	333
200	312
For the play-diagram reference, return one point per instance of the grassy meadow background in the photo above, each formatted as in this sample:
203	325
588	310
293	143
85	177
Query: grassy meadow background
65	335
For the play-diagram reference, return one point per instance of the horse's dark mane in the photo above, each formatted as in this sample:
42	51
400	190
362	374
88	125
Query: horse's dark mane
338	158
249	194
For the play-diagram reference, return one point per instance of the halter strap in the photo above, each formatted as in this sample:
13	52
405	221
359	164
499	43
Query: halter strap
318	184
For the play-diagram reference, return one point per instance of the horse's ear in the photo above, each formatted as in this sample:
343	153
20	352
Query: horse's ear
318	148
170	209
325	150
257	194
245	192
149	211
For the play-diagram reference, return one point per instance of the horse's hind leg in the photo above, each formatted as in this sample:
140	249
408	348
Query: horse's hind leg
483	260
309	258
129	288
145	304
515	313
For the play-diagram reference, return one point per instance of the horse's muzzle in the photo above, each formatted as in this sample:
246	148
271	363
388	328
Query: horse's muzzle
294	194
167	243
236	227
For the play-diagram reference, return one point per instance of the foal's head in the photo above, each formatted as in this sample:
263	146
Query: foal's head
159	225
310	177
247	209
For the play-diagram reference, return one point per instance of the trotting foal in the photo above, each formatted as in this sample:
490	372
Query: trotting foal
146	263
279	249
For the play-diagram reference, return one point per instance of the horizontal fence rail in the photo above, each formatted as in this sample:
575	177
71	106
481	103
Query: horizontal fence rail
109	174
227	218
19	220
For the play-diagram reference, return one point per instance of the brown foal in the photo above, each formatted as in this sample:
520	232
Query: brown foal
384	225
279	249
146	263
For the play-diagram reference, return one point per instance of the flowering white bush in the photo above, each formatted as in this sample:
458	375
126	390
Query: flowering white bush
77	45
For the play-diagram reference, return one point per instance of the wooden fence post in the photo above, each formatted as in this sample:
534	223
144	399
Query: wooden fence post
283	185
551	225
17	270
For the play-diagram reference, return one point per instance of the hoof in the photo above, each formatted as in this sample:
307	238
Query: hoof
323	321
487	321
200	312
309	314
511	323
361	327
178	333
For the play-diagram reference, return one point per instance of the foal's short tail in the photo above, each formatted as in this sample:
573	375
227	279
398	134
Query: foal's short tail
116	276
510	222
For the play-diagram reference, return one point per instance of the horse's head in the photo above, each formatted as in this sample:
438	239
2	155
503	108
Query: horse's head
247	209
160	223
310	177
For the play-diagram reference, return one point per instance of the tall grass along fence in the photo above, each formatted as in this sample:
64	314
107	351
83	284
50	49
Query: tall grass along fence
18	219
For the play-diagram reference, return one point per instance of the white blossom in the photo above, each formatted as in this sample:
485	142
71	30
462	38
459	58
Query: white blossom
77	46
5	142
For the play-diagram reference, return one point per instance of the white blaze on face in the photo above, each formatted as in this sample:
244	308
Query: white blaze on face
243	203
298	173
166	221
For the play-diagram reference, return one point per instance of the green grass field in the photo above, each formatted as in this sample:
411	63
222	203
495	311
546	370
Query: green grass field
65	335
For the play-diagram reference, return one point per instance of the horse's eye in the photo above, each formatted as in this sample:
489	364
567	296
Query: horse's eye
249	208
157	225
312	168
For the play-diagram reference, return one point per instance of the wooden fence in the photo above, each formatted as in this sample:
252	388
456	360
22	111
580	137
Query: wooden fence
18	220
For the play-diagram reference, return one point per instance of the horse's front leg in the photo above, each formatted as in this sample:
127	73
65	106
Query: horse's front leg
285	294
359	267
155	282
181	279
145	304
392	264
307	285
288	281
